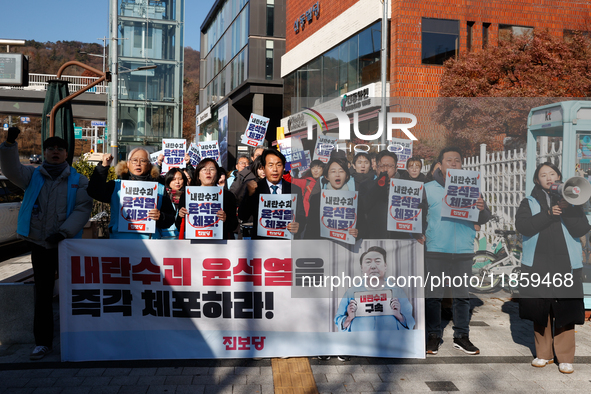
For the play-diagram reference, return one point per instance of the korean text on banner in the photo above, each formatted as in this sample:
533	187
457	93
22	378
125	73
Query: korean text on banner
209	149
374	303
324	145
203	204
194	154
174	153
137	198
276	211
154	157
307	163
403	150
254	135
338	214
462	189
404	199
293	150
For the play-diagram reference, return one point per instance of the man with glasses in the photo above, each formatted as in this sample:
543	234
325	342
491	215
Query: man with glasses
55	206
373	200
137	168
273	183
242	163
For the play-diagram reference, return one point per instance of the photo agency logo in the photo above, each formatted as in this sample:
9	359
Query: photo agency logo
313	117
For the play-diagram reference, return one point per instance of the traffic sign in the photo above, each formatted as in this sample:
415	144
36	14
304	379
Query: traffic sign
98	123
25	119
78	133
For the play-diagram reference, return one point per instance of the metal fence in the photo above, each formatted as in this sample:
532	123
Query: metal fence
40	82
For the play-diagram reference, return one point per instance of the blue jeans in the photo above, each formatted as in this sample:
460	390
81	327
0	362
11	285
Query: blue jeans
451	267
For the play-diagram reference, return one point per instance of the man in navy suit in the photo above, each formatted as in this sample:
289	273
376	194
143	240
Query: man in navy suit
273	183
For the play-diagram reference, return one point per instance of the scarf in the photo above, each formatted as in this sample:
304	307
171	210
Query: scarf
175	195
55	170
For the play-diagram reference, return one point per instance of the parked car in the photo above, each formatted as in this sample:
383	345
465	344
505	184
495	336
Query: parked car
10	203
35	159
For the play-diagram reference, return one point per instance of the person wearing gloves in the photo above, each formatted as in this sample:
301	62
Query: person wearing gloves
137	168
55	206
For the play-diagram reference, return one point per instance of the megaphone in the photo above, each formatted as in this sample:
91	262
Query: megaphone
576	190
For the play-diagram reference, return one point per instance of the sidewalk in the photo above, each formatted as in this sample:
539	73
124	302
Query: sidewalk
506	344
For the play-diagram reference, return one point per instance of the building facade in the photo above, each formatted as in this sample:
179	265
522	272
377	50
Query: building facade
242	42
333	47
150	32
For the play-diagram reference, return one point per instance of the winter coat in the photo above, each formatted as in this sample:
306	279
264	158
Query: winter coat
307	185
52	200
238	187
551	258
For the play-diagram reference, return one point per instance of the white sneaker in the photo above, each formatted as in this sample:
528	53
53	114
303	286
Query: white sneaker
39	352
540	362
566	368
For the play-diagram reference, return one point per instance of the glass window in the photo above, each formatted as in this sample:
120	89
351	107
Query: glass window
469	28
288	94
330	69
507	31
269	59
485	29
370	44
315	78
440	40
270	17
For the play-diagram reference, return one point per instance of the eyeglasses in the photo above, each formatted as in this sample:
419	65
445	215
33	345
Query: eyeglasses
386	166
52	148
143	162
209	169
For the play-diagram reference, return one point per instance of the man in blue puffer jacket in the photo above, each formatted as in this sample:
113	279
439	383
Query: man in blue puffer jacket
449	251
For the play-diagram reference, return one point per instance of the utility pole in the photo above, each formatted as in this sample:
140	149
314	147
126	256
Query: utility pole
384	76
114	84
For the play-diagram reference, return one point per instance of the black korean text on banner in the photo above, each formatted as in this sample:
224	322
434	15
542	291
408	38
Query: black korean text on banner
462	190
276	211
338	214
174	153
137	198
404	198
203	204
254	135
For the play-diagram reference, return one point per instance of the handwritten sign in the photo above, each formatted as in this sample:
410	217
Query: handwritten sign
136	199
404	198
203	204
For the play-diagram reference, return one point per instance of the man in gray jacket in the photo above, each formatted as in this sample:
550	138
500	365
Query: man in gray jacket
55	206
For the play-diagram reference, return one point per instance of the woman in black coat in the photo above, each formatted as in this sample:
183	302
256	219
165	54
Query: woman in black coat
552	263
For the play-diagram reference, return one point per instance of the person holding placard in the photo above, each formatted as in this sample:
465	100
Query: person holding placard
273	183
449	249
136	168
207	174
238	186
308	182
175	182
393	311
336	178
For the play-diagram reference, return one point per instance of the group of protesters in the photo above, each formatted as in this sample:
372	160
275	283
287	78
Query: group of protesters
58	201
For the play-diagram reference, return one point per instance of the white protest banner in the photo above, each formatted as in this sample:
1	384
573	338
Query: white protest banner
338	214
462	189
373	303
174	153
154	157
169	299
137	198
276	211
254	135
324	145
203	204
209	149
194	154
293	150
404	214
403	150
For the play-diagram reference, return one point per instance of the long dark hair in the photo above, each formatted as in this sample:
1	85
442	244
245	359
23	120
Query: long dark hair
539	167
171	174
195	180
256	164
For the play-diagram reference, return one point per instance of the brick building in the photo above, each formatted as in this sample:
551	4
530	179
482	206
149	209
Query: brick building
333	47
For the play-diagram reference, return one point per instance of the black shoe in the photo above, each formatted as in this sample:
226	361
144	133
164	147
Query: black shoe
463	343
343	358
433	343
323	357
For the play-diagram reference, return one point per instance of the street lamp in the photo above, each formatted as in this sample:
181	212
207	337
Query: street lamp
115	105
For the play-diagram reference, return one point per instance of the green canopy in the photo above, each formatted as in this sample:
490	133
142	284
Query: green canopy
57	90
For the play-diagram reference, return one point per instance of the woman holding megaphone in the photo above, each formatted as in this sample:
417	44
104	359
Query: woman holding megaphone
551	287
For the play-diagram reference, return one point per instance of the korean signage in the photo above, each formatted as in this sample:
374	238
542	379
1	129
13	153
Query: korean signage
293	150
358	99
203	204
209	149
174	153
154	156
194	154
403	150
171	299
338	215
137	198
307	17
276	211
254	135
462	189
204	116
404	198
324	145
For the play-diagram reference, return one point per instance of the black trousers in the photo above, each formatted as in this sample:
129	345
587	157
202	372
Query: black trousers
45	266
